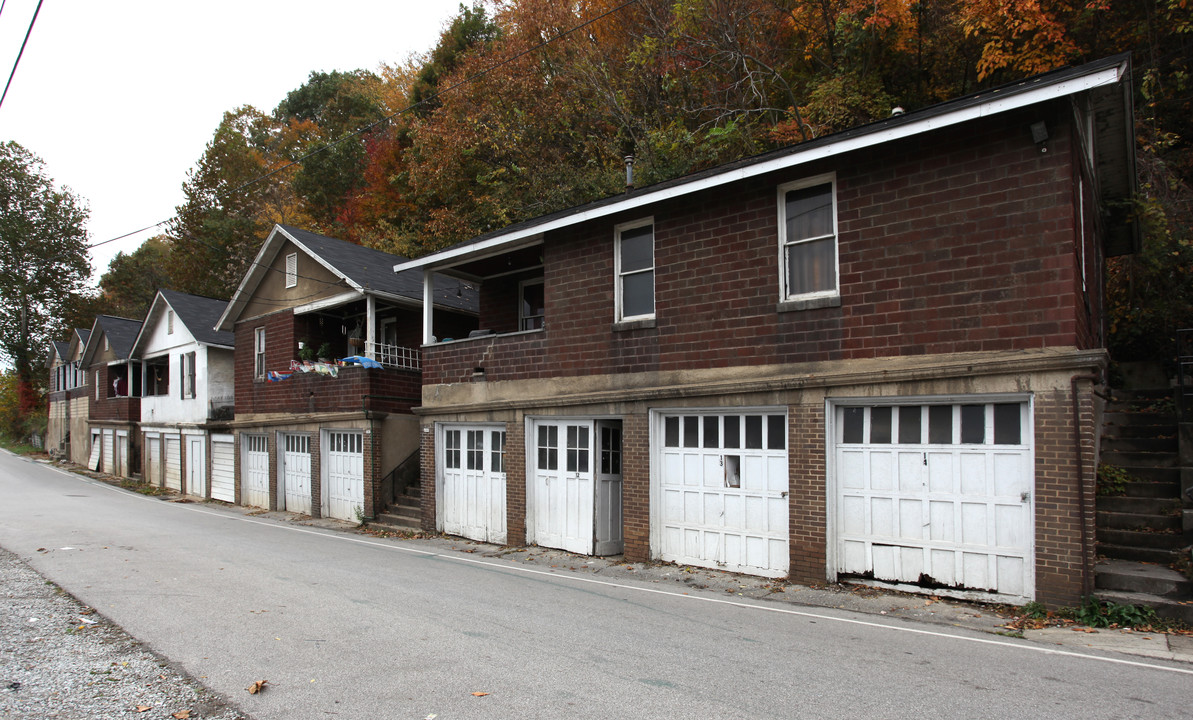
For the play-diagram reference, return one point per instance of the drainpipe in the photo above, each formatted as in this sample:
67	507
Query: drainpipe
1087	585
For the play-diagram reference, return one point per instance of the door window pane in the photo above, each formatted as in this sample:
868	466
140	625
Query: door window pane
940	424
754	432
1007	429
476	453
497	451
548	447
776	432
973	424
691	431
577	448
910	417
611	450
671	432
853	422
732	431
880	425
451	449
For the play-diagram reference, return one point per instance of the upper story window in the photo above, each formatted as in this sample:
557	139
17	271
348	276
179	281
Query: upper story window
259	353
291	270
169	322
532	304
188	375
634	263
808	238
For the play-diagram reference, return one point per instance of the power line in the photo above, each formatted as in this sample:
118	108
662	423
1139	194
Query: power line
347	136
22	52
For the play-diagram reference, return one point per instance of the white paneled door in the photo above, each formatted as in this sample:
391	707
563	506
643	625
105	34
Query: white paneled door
255	475
196	466
345	474
296	473
575	486
719	491
938	495
173	447
153	460
223	468
472	463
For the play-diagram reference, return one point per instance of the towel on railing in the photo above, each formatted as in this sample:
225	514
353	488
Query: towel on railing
363	361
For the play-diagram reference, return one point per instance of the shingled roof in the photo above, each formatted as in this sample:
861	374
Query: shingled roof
198	315
120	332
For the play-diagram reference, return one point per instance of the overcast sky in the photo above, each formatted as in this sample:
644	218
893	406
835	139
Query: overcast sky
119	98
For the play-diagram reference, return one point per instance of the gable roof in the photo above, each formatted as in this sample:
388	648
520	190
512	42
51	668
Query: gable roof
363	269
120	332
1107	81
59	350
78	338
197	313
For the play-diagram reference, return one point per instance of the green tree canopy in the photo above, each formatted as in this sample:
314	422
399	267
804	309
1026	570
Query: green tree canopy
43	252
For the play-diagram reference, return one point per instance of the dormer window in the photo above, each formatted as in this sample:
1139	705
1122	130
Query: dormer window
292	270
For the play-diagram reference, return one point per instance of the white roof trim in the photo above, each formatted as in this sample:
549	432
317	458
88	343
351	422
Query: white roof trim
334	300
997	103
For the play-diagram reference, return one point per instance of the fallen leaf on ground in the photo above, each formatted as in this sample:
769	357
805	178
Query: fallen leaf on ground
256	687
181	715
480	694
143	708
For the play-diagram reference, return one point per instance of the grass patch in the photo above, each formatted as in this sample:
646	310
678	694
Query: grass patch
141	487
20	448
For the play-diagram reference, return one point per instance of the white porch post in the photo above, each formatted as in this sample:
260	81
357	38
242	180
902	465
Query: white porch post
428	306
370	327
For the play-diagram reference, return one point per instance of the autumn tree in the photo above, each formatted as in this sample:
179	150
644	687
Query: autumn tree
131	281
43	252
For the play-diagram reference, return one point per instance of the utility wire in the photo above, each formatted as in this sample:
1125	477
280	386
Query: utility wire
434	96
22	52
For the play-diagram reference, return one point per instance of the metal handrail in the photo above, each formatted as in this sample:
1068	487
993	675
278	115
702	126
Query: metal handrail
1184	373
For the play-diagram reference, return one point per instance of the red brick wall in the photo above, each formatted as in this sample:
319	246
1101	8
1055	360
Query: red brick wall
515	483
635	486
954	241
807	504
109	408
310	392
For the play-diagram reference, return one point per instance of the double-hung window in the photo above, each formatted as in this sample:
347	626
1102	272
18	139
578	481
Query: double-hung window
259	353
808	238
634	261
532	305
188	375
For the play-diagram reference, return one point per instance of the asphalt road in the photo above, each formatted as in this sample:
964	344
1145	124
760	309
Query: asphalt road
343	625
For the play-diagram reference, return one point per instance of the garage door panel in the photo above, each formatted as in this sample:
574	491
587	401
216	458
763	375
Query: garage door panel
955	509
853	515
973	474
1009	478
882	517
940	472
853	473
974	524
881	472
732	497
911	523
943	522
911	466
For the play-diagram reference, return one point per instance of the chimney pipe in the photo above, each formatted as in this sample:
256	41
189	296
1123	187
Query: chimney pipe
629	172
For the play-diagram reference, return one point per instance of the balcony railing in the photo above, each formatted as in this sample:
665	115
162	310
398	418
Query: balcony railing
394	356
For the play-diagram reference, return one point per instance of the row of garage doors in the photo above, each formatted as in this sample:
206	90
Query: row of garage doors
343	464
930	493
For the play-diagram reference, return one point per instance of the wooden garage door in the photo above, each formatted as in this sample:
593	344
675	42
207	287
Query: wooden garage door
255	472
345	475
936	495
223	468
296	473
173	445
472	460
153	460
722	491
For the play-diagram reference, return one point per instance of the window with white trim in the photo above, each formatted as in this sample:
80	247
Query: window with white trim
188	375
259	352
808	238
291	270
634	265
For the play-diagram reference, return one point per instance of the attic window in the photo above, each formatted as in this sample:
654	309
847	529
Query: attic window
291	270
169	322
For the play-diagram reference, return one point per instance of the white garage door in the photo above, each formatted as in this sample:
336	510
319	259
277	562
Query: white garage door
255	476
345	474
472	459
110	452
296	473
936	495
196	465
173	462
721	491
153	460
223	468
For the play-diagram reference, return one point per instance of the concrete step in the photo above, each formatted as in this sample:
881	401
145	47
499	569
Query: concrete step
1170	608
1135	521
1158	556
1166	430
1121	395
1138	505
1165	420
1145	444
1140	577
1140	459
396	522
1155	474
1143	539
1153	490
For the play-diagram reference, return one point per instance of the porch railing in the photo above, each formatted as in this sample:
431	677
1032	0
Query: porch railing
395	356
1184	370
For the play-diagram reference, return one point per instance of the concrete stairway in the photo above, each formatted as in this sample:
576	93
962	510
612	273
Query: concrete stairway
405	514
1140	532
